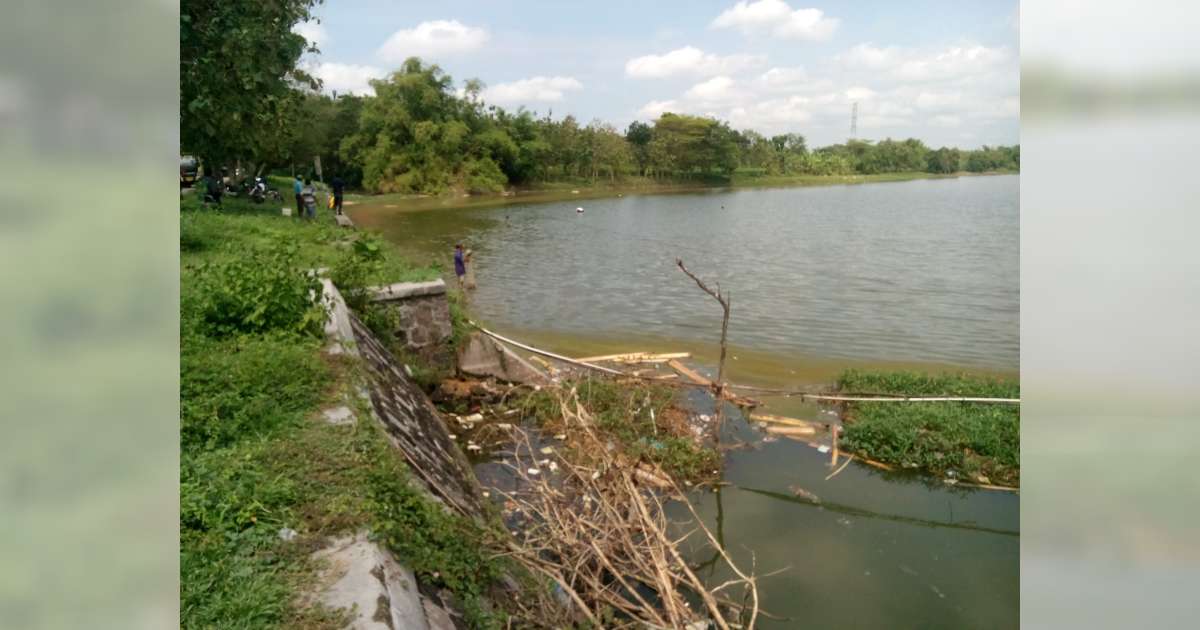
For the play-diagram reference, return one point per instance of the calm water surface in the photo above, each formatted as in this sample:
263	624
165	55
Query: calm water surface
919	272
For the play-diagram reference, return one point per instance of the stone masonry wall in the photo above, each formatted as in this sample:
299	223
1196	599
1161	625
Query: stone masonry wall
424	317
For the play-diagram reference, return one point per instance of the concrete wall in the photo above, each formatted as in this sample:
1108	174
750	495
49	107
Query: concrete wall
424	317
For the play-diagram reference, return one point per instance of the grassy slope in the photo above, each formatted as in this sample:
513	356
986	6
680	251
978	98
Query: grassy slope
970	439
256	458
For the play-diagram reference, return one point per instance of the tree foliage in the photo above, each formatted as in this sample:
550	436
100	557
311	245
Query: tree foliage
244	98
238	77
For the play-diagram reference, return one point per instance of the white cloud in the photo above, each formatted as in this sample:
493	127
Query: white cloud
783	77
907	64
654	109
859	93
313	32
715	89
938	100
534	89
778	19
945	120
432	39
345	78
689	60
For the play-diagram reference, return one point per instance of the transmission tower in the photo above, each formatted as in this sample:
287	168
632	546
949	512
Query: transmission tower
854	120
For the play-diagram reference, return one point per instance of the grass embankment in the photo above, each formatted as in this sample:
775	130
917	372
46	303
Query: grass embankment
970	439
255	455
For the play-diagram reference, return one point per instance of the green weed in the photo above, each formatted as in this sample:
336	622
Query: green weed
938	437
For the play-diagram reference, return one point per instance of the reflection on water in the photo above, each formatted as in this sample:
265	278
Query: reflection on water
914	271
880	550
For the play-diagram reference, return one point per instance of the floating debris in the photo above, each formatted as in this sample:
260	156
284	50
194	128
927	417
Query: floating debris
533	471
939	593
547	450
822	449
801	493
907	569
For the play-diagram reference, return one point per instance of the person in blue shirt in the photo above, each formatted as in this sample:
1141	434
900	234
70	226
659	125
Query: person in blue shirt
298	188
460	265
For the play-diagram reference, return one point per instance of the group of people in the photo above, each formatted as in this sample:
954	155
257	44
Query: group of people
306	196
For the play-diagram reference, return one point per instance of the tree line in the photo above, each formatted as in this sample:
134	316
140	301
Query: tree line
248	101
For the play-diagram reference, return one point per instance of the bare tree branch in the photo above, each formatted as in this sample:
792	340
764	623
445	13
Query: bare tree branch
723	300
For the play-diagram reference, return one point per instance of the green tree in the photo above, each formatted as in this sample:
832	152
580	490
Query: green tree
639	135
237	73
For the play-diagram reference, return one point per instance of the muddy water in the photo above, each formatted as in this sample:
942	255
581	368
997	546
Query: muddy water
897	275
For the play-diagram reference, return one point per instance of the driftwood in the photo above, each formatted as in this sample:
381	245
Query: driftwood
637	357
767	418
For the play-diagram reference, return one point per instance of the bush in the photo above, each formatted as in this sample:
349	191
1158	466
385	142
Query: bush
259	291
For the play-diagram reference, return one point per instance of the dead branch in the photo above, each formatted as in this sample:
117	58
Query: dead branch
723	300
585	519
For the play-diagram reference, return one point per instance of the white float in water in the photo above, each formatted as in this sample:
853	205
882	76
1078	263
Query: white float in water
580	210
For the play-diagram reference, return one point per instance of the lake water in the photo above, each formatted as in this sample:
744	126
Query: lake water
921	273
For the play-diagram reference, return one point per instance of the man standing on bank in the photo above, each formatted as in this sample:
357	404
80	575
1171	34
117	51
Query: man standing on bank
460	265
297	189
339	187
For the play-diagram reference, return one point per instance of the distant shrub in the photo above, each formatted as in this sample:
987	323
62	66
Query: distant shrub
259	291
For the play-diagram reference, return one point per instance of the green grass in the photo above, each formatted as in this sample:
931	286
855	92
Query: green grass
970	439
255	457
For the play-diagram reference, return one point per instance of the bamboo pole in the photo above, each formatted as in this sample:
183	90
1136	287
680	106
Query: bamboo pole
703	382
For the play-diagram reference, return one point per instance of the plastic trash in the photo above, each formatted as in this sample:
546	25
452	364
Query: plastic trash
822	449
288	534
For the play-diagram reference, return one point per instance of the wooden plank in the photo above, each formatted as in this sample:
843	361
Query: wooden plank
794	422
777	430
692	375
638	357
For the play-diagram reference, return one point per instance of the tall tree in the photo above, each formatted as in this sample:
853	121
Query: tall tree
639	135
237	71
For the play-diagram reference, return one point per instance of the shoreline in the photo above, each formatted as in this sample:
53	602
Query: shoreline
558	191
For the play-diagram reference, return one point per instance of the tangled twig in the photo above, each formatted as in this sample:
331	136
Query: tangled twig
598	530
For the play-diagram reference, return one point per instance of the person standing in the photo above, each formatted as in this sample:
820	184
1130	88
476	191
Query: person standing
339	187
297	189
469	263
460	265
309	195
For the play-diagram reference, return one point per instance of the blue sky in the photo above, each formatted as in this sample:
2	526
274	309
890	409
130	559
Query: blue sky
945	72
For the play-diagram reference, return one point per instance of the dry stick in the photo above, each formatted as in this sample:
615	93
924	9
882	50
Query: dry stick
723	300
750	580
841	468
